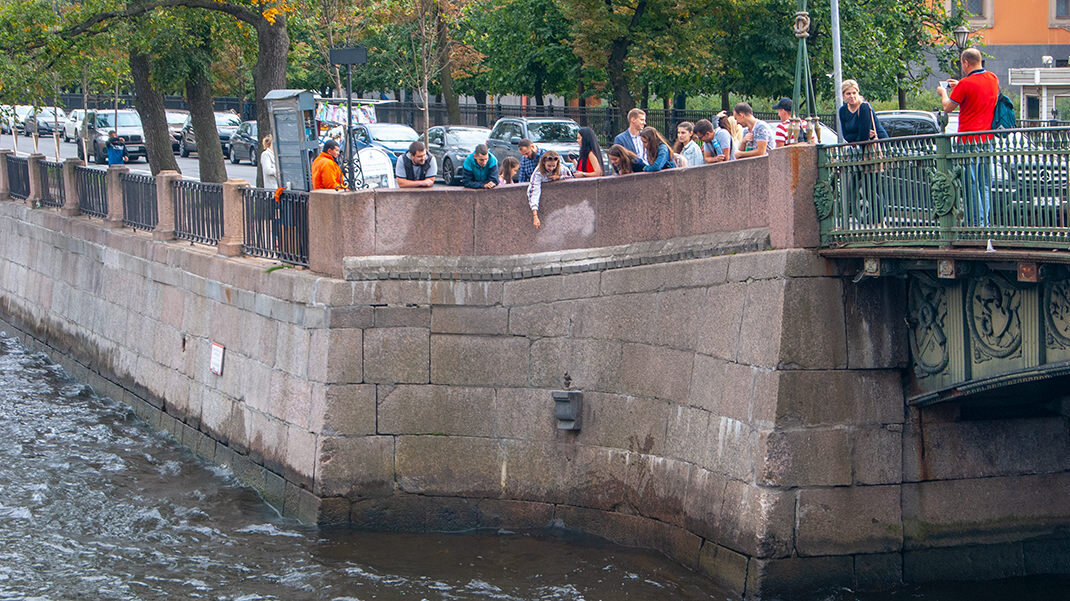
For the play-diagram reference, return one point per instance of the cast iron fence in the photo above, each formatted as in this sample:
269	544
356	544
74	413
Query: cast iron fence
92	191
1010	188
198	211
52	192
18	173
276	227
139	201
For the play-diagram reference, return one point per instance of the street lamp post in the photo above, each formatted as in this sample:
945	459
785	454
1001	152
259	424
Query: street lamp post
350	57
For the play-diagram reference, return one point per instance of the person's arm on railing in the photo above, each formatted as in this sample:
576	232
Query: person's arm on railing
468	180
534	195
659	162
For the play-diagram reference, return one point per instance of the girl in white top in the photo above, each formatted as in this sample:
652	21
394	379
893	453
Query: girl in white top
267	161
686	145
548	170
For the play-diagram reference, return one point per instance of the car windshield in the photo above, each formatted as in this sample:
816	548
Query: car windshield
466	137
388	132
50	114
176	118
125	120
553	131
227	120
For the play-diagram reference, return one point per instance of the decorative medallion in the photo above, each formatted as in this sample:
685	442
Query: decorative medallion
945	188
823	199
1057	313
802	24
992	307
926	311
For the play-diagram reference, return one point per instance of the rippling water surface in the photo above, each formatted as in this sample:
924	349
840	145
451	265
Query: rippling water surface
94	505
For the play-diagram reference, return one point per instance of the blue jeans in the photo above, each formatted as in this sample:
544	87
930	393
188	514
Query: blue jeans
978	192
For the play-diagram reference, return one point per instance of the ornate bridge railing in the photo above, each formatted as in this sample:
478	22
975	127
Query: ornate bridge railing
276	227
943	190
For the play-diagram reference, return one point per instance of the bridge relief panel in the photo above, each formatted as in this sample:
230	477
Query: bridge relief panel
985	331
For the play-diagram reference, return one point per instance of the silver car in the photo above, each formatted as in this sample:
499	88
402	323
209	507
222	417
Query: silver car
554	134
450	145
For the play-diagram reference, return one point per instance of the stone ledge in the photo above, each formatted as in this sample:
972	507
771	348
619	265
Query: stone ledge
533	265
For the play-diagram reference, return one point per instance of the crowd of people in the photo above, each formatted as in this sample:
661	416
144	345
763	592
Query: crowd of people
639	148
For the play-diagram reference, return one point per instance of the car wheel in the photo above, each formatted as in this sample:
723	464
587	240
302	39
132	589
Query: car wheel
252	157
234	156
449	177
182	150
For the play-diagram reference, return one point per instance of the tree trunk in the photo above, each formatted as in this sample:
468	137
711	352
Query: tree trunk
538	87
645	100
209	150
617	80
481	107
902	93
273	43
724	101
149	103
445	77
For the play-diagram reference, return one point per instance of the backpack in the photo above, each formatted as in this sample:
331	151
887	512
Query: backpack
1003	116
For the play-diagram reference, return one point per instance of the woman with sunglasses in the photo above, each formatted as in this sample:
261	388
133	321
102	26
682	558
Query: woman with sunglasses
548	170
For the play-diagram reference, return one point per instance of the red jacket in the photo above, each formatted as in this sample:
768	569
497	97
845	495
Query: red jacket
326	174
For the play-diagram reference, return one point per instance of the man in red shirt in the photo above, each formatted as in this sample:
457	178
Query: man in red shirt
974	96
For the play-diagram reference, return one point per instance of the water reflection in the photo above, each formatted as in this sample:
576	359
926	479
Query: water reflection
95	505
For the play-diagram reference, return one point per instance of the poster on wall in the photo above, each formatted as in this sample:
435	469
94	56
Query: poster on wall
216	361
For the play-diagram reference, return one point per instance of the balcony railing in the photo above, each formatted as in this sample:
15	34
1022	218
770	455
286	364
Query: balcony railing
139	201
92	191
198	211
18	170
52	190
950	189
276	227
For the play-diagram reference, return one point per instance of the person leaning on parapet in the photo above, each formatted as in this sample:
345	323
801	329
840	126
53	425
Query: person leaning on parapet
624	161
857	119
629	138
326	174
529	159
975	97
480	169
416	168
657	147
116	149
549	170
758	137
784	135
711	148
686	145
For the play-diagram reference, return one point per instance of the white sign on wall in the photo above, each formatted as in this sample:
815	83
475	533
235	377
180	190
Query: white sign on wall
216	363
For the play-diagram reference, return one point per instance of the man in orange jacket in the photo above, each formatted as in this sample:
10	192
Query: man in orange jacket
326	174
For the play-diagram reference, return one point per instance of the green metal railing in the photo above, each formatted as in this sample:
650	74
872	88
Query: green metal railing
949	189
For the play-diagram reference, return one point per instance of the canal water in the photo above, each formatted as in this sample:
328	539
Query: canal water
94	505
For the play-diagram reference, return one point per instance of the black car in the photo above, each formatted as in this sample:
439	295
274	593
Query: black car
226	123
127	125
451	145
244	143
43	122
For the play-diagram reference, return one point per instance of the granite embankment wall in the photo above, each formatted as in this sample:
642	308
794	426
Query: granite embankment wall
743	407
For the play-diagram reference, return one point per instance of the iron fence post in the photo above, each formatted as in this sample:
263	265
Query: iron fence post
114	187
824	197
33	162
944	195
5	185
70	188
165	205
230	242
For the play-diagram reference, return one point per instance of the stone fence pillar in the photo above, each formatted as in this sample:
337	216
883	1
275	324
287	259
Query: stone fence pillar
233	218
70	188
33	199
165	205
5	185
115	196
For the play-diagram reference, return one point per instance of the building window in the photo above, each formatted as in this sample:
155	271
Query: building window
1059	13
976	8
1062	9
980	11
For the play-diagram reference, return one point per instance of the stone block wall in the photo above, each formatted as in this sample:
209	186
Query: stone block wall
743	413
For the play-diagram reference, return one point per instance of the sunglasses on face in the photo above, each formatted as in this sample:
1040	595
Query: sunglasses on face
551	160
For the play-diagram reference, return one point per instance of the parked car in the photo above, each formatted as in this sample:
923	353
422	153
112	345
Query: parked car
176	118
44	121
394	138
73	125
14	116
909	123
548	134
127	125
226	123
244	143
451	145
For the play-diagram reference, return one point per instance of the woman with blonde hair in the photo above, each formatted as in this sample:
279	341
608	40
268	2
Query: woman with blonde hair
658	148
548	170
267	163
858	121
